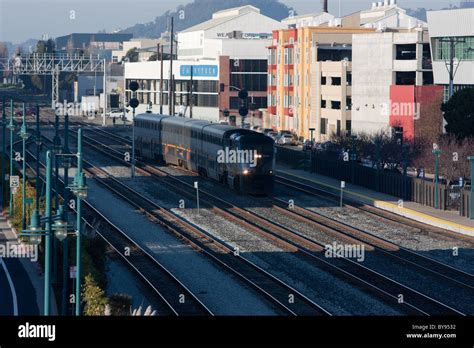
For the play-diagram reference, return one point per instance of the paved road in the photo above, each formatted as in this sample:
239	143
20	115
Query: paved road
8	297
17	293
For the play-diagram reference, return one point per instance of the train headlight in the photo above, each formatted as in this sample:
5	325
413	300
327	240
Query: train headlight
246	171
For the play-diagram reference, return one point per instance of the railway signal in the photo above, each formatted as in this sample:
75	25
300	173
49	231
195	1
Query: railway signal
244	108
133	85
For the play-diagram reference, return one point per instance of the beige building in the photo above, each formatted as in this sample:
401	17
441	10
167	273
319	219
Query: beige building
310	80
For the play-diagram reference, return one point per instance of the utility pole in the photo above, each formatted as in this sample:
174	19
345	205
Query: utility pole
65	267
190	98
105	94
171	81
38	150
156	82
161	81
4	153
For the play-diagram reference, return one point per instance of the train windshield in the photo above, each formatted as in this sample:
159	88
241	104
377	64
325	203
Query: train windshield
264	149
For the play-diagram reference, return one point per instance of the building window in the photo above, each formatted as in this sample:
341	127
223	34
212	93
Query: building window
272	57
323	104
335	105
260	102
349	79
405	78
405	52
338	128
335	81
288	56
428	78
251	82
348	103
324	125
456	88
348	127
249	65
464	49
323	80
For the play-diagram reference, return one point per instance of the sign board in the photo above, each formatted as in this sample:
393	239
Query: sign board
196	185
14	181
72	272
199	70
343	184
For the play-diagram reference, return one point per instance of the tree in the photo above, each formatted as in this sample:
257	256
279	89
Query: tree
132	55
93	297
459	113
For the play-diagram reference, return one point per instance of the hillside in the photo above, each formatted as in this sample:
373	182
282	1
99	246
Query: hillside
201	10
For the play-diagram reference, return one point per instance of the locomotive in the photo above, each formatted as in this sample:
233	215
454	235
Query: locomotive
241	159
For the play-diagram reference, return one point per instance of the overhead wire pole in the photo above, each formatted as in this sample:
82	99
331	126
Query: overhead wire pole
105	93
157	61
161	81
170	84
4	154
191	95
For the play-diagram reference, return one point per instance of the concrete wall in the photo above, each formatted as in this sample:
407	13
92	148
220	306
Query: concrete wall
372	76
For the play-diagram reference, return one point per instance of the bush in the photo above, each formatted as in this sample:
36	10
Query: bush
93	297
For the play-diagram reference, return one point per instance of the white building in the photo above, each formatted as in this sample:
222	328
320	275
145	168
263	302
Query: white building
140	44
308	20
240	32
397	54
205	82
228	53
388	14
458	24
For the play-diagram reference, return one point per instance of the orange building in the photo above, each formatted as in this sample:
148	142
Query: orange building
309	80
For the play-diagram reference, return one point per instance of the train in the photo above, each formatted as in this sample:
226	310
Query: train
242	159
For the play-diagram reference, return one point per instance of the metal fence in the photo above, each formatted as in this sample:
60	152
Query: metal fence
394	184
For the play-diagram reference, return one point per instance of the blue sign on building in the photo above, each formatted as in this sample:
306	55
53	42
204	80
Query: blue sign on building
200	70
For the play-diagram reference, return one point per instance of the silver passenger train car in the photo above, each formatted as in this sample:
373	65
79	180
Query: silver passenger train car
242	159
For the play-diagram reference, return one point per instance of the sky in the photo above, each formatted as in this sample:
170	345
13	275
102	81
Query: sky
25	19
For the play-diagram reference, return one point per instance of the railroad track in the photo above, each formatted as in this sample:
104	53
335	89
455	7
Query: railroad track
289	300
295	242
165	285
378	213
385	246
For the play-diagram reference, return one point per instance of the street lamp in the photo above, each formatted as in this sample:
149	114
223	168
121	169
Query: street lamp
60	227
79	189
4	135
36	232
24	136
436	152
11	127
